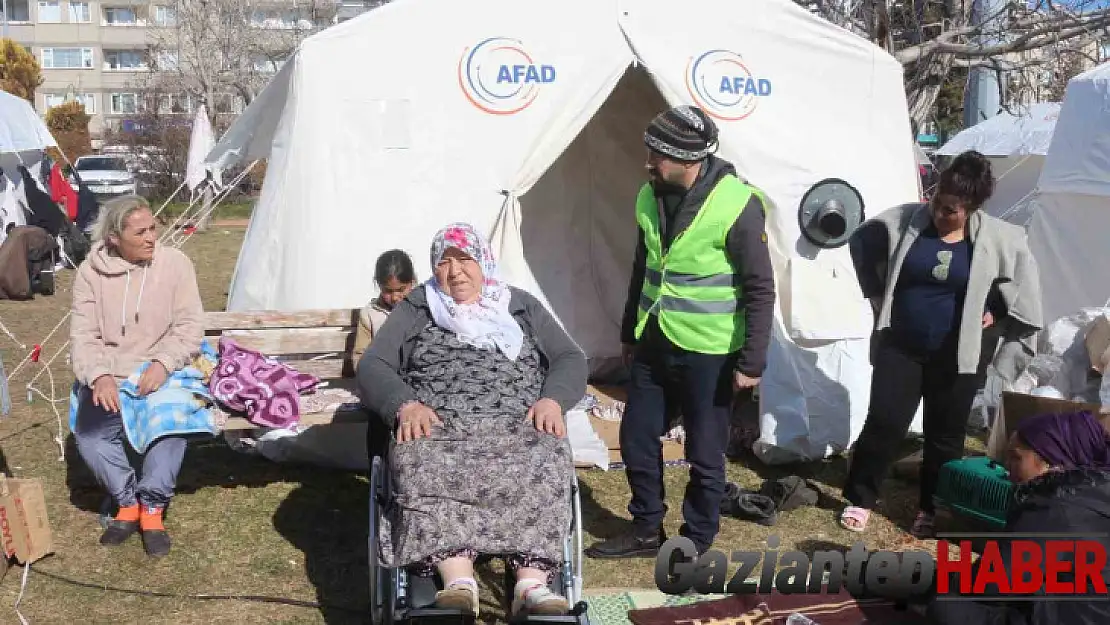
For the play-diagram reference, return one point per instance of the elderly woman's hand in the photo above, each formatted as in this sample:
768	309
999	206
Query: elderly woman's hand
416	421
548	417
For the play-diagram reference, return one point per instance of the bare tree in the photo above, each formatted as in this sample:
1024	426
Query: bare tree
222	52
931	38
216	53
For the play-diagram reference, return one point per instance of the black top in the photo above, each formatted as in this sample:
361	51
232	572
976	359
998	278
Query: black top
747	248
929	297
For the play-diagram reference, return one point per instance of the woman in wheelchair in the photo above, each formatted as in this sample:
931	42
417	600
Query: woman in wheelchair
474	377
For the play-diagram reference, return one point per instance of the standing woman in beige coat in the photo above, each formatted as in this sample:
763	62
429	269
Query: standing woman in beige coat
954	289
134	302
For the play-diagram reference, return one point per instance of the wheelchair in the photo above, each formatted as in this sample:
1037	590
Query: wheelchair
397	597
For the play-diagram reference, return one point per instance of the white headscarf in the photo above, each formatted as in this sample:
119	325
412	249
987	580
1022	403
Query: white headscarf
486	323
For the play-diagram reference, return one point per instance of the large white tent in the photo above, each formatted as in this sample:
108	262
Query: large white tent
23	139
528	122
1070	223
1016	143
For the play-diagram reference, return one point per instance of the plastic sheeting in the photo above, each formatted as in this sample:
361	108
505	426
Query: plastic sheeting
359	167
1007	134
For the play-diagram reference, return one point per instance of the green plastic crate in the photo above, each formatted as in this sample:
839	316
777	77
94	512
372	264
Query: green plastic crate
976	487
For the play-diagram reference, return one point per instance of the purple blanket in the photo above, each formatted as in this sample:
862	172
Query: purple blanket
267	390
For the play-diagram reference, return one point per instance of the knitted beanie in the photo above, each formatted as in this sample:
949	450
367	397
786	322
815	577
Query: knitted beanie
684	133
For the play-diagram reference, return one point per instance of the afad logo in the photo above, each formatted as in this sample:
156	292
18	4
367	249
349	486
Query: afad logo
722	85
499	76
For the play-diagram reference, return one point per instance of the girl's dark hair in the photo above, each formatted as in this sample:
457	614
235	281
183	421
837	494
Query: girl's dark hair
394	264
969	178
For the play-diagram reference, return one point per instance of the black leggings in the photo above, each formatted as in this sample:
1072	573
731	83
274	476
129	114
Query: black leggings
901	381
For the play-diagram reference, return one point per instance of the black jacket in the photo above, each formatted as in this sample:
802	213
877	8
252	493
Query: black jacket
747	247
379	372
1070	503
42	211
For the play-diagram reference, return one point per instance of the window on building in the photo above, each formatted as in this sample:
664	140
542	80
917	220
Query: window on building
67	58
265	64
18	10
175	103
124	60
79	12
88	99
50	11
119	16
124	103
228	103
165	16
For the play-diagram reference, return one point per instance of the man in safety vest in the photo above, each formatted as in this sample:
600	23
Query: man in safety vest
696	326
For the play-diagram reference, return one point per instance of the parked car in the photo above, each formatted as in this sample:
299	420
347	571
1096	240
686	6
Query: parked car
106	176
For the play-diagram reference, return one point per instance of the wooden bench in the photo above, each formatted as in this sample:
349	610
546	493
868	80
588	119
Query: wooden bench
318	342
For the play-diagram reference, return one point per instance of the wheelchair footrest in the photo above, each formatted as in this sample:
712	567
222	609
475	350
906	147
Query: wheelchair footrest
430	616
577	614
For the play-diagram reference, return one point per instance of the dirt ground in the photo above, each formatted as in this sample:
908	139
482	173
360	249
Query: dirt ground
245	526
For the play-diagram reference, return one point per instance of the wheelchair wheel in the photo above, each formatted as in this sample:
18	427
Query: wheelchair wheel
381	582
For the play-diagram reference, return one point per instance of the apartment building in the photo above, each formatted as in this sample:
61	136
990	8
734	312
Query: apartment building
1038	78
97	51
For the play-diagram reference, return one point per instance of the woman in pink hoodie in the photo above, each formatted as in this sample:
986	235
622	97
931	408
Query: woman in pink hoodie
134	302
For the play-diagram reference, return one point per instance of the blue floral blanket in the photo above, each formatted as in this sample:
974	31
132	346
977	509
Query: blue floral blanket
180	406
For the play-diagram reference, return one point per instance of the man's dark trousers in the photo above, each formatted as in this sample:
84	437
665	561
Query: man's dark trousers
701	387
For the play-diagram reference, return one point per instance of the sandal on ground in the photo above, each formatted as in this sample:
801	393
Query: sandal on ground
458	596
854	519
923	525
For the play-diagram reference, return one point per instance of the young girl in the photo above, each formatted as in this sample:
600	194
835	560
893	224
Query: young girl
396	279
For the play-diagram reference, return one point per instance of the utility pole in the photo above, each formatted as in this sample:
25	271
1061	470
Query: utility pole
4	7
985	85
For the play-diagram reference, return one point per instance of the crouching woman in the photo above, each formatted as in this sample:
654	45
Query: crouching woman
134	302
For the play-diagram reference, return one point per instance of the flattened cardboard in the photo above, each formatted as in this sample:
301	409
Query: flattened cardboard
609	431
1097	342
1018	406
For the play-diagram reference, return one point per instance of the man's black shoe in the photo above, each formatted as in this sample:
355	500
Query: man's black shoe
118	531
627	546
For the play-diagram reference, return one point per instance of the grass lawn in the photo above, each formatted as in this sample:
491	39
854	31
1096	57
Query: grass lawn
229	210
249	527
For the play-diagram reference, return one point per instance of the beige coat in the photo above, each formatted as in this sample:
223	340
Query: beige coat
126	314
370	321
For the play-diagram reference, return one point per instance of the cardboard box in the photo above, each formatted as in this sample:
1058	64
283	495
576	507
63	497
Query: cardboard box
1098	344
609	431
24	527
1018	406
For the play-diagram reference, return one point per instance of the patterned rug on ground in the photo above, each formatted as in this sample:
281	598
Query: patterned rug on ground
610	606
775	609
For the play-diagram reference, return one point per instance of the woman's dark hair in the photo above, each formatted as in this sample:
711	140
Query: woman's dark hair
394	264
969	178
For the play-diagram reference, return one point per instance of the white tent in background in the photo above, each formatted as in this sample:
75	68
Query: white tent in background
23	139
1070	222
528	123
1016	146
200	144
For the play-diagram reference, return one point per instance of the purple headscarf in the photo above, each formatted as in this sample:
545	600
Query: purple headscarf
1074	440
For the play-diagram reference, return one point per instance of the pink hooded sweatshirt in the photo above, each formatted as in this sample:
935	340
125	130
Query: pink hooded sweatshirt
125	314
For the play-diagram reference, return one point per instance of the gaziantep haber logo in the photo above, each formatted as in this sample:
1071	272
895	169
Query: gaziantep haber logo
1042	567
721	84
500	77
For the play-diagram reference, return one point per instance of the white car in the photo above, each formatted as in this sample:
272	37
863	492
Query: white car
106	176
